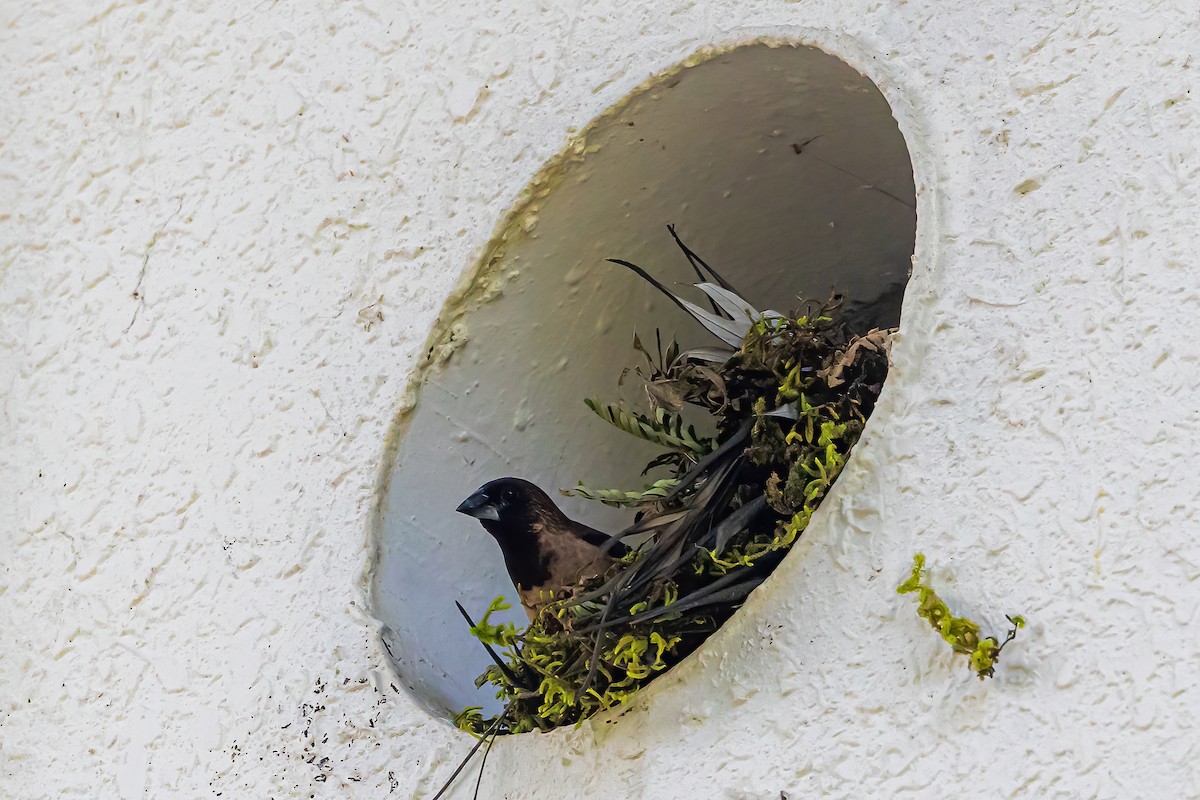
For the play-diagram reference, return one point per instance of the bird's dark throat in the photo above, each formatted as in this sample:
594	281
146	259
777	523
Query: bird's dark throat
527	564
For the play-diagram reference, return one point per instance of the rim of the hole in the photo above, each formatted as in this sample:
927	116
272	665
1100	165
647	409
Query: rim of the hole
542	183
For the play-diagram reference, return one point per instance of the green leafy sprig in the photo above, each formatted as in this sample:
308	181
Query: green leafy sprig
620	498
960	633
539	681
664	429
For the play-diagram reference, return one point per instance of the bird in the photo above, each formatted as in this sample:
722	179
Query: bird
545	551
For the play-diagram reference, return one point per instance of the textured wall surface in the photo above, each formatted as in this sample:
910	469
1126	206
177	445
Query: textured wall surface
226	231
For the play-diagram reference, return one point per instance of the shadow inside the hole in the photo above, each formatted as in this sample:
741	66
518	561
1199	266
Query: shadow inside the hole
710	149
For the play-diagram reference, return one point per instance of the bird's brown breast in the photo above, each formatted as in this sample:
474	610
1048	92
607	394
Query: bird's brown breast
568	560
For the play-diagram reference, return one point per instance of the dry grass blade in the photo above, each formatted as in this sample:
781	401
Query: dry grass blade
495	726
695	259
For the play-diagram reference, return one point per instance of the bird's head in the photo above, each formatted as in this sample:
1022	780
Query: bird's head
509	505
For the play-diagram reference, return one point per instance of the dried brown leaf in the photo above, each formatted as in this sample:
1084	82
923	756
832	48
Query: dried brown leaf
876	340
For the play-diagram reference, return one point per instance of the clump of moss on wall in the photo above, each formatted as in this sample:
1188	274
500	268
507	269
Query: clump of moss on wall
960	633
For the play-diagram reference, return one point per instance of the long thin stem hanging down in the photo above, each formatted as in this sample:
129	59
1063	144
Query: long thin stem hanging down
484	737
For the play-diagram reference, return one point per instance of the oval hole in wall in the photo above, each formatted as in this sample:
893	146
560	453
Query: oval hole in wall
780	165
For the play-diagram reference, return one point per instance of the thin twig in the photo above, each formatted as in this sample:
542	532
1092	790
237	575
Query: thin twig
482	764
867	184
799	148
1012	634
495	726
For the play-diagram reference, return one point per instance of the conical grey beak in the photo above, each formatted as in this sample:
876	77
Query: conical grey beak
479	506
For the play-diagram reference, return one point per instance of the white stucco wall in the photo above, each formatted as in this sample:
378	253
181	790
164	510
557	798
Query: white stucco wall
200	209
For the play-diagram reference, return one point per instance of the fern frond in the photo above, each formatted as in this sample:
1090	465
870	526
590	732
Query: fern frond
620	498
665	429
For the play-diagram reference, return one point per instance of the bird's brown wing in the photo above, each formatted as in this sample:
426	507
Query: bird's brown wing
599	539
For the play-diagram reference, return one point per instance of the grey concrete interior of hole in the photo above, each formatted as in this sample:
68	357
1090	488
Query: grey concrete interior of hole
711	150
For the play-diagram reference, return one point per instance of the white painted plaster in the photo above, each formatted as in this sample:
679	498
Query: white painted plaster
188	475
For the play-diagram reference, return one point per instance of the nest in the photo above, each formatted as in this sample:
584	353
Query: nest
788	395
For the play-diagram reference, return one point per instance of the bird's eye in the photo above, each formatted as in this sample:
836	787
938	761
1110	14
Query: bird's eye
508	495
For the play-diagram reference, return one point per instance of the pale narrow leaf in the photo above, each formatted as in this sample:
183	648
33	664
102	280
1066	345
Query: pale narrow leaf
729	331
713	355
730	303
